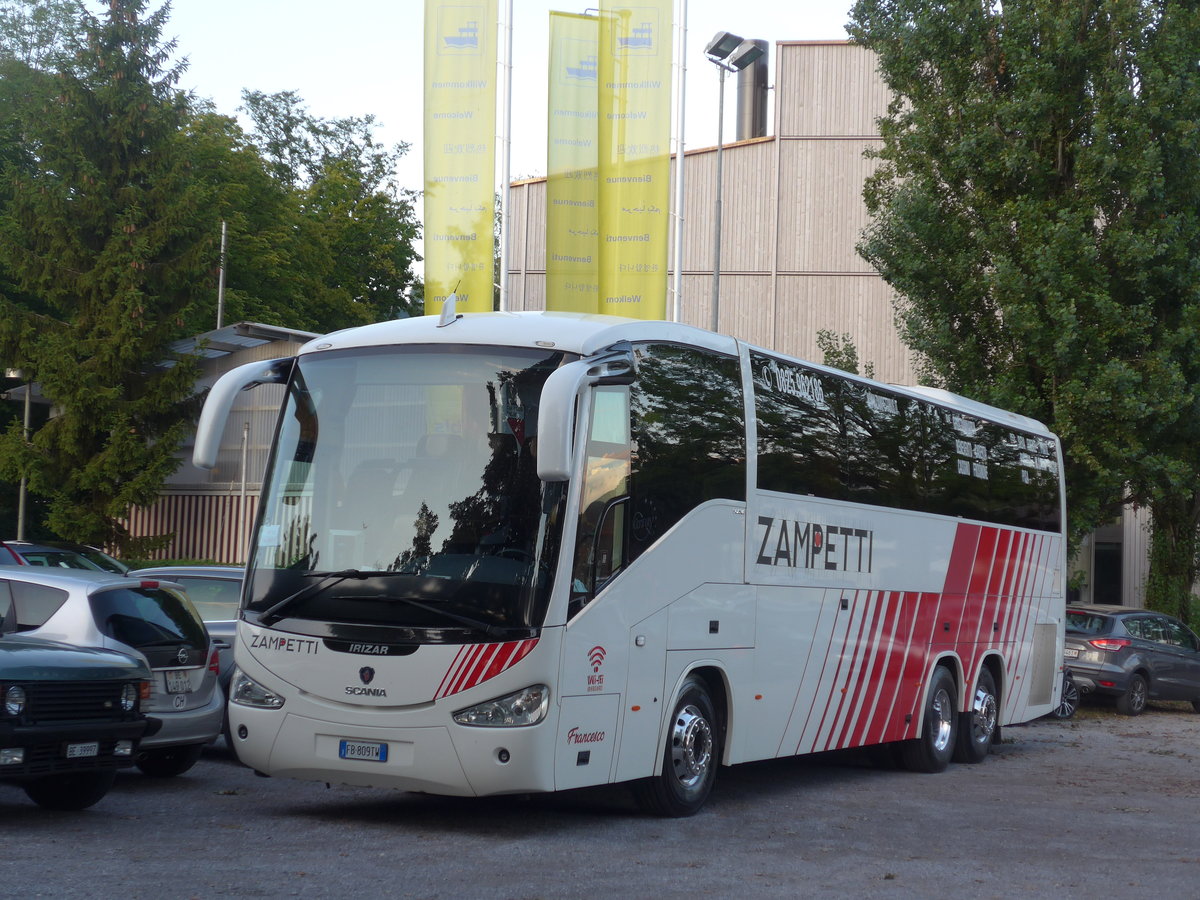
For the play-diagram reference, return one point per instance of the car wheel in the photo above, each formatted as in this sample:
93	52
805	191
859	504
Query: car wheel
170	761
690	758
1133	701
931	752
977	726
1069	701
77	790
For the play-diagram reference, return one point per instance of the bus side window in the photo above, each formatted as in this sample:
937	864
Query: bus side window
600	536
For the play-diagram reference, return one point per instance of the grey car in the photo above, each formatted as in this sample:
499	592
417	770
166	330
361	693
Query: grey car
59	555
150	619
216	592
69	716
1133	655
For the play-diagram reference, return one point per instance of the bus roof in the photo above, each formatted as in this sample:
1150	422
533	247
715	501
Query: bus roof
570	332
585	334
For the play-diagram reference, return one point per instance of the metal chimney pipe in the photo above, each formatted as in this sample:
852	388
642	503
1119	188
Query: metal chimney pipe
752	97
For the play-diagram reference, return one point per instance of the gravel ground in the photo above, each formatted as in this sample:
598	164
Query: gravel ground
1101	805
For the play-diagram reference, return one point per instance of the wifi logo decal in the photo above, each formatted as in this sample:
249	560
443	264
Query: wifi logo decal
595	681
596	658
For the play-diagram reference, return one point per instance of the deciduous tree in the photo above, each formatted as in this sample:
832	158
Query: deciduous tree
1037	209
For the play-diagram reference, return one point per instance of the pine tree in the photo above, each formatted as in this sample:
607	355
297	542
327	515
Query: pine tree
105	224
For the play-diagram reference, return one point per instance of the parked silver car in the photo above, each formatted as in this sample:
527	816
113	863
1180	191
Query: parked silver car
216	592
150	619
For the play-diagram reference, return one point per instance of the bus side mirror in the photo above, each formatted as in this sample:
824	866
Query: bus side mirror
556	412
220	401
556	419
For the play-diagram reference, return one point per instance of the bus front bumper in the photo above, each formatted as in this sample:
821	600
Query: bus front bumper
428	758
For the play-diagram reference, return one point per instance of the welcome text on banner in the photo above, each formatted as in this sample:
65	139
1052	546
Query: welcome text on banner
634	119
460	152
572	226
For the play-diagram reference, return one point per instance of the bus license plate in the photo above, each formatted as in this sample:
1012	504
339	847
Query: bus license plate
363	750
1070	653
77	751
178	682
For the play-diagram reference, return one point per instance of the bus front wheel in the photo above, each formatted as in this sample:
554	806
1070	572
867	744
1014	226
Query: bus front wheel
690	759
931	752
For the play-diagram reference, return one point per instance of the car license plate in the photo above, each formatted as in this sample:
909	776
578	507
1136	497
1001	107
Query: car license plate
363	750
178	682
1071	653
77	751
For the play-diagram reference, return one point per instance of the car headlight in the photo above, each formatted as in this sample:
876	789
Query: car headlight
245	691
525	707
14	700
129	697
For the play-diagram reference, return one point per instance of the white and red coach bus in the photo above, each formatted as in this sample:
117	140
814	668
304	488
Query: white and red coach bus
518	552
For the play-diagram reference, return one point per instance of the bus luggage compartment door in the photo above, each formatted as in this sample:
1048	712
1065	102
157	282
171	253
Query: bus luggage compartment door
587	735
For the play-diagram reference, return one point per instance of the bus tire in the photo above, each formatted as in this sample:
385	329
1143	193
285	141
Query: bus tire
690	758
977	726
931	752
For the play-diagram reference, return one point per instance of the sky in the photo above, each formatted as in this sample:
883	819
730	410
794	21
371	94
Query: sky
360	57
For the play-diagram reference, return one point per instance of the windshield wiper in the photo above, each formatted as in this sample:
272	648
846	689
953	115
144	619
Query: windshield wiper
487	628
327	580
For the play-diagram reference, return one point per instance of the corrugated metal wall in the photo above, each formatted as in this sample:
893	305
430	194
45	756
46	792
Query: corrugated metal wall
205	526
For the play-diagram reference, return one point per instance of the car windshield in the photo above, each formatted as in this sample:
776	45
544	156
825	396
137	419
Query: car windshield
403	491
1087	623
103	561
59	559
216	599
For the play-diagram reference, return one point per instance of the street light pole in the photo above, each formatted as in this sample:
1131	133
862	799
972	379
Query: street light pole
24	482
729	53
716	279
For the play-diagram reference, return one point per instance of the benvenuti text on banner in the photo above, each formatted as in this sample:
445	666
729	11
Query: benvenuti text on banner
460	152
634	129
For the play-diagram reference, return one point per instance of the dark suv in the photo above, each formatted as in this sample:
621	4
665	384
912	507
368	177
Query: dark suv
1133	655
69	716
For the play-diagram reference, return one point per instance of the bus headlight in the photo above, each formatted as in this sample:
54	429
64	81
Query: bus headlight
245	691
525	707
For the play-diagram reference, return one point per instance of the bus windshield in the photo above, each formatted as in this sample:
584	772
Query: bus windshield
403	494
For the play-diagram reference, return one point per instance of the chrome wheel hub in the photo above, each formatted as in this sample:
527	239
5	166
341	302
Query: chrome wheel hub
943	714
691	746
983	720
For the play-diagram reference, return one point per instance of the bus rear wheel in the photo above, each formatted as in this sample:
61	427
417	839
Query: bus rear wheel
977	726
690	759
931	752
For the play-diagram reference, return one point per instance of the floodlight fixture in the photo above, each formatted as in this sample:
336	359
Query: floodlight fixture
724	43
745	54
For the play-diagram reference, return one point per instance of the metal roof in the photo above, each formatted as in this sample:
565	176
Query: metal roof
240	336
209	345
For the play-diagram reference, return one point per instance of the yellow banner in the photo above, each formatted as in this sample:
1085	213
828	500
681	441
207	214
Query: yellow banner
572	227
634	119
460	152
